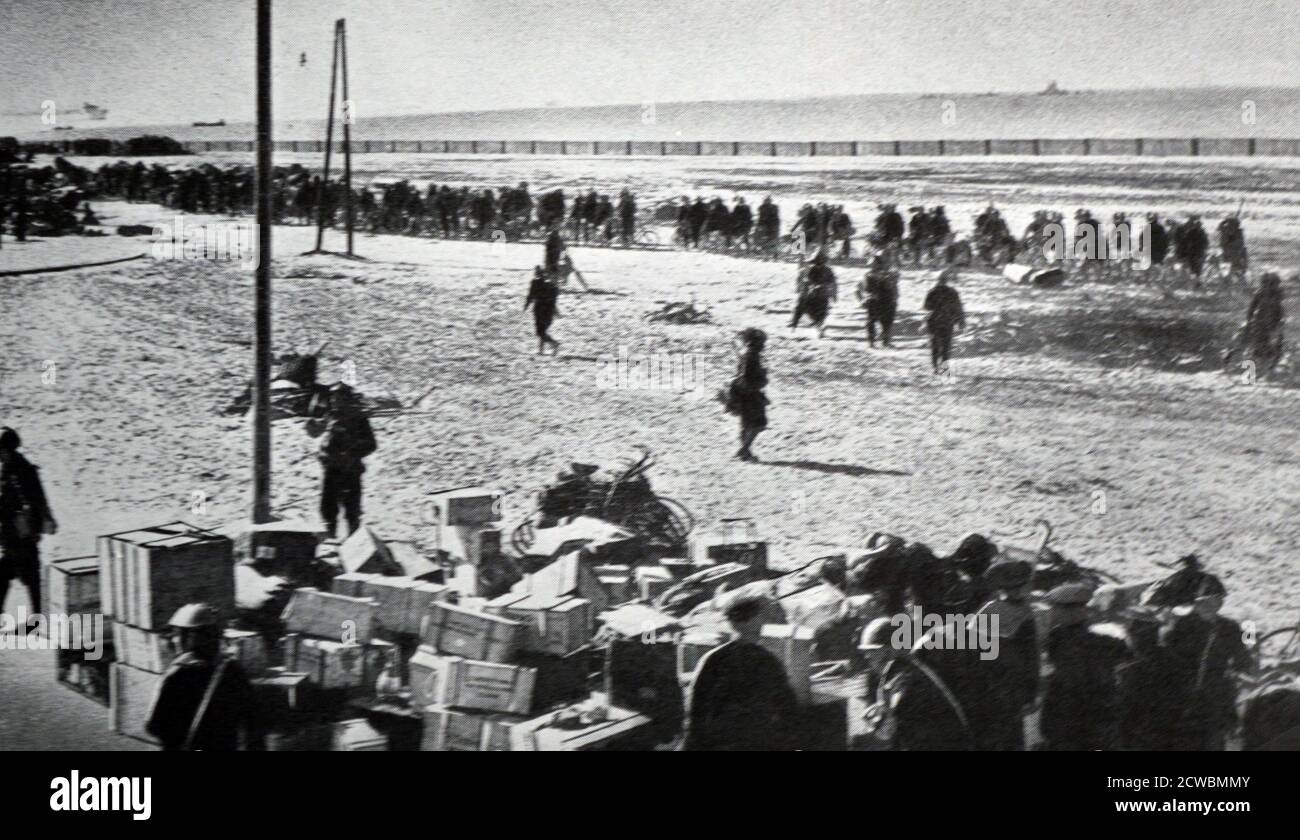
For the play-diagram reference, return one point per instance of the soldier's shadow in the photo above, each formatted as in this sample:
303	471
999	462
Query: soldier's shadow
853	470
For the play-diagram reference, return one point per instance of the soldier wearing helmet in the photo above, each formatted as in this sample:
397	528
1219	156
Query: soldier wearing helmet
204	702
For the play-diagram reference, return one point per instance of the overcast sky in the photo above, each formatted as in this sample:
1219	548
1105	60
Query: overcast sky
183	60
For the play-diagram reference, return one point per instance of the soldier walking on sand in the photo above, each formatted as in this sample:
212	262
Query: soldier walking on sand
816	291
946	314
543	295
878	292
24	516
744	397
346	439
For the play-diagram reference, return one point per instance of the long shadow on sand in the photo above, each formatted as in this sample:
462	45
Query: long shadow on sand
854	470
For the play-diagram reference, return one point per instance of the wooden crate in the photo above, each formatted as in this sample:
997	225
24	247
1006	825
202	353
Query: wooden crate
275	548
462	730
619	728
466	506
455	631
148	574
352	584
145	650
557	625
131	695
312	612
335	665
72	586
392	597
465	683
364	551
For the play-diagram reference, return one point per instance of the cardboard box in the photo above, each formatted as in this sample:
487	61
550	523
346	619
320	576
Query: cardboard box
551	625
364	551
561	680
551	732
329	664
462	730
464	683
130	699
148	574
466	506
72	586
312	612
793	646
357	736
456	631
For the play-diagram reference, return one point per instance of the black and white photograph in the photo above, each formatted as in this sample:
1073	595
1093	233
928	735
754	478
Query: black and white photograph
651	375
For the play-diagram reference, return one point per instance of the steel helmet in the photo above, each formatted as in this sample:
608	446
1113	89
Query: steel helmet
194	615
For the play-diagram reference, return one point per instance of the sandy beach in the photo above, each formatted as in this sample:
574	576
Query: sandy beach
1078	405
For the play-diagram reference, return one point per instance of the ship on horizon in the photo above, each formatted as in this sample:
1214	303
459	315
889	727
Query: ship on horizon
94	111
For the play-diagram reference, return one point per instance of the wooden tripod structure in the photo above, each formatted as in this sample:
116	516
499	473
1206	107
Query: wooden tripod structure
338	70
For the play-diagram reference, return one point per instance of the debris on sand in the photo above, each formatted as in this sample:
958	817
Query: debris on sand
676	312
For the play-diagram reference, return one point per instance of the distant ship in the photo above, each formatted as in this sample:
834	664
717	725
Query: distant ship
94	111
63	128
1052	90
209	124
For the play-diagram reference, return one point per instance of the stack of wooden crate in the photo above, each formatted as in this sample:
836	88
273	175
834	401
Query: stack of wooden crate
145	575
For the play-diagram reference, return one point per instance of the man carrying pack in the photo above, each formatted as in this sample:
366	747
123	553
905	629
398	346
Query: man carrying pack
204	702
346	439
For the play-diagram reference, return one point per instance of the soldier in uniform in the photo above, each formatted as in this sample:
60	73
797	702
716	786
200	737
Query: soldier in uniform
1232	244
744	396
878	292
946	314
1012	676
543	295
204	702
554	249
1080	695
1158	242
1262	336
769	224
741	697
346	439
626	216
742	221
24	516
1206	652
816	291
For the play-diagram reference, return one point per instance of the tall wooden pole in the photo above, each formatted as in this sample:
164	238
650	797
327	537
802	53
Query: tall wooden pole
347	128
262	298
322	195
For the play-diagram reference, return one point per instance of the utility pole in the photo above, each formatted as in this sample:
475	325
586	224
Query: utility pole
262	283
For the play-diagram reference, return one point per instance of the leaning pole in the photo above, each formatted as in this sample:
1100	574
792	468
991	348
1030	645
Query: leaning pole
262	280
